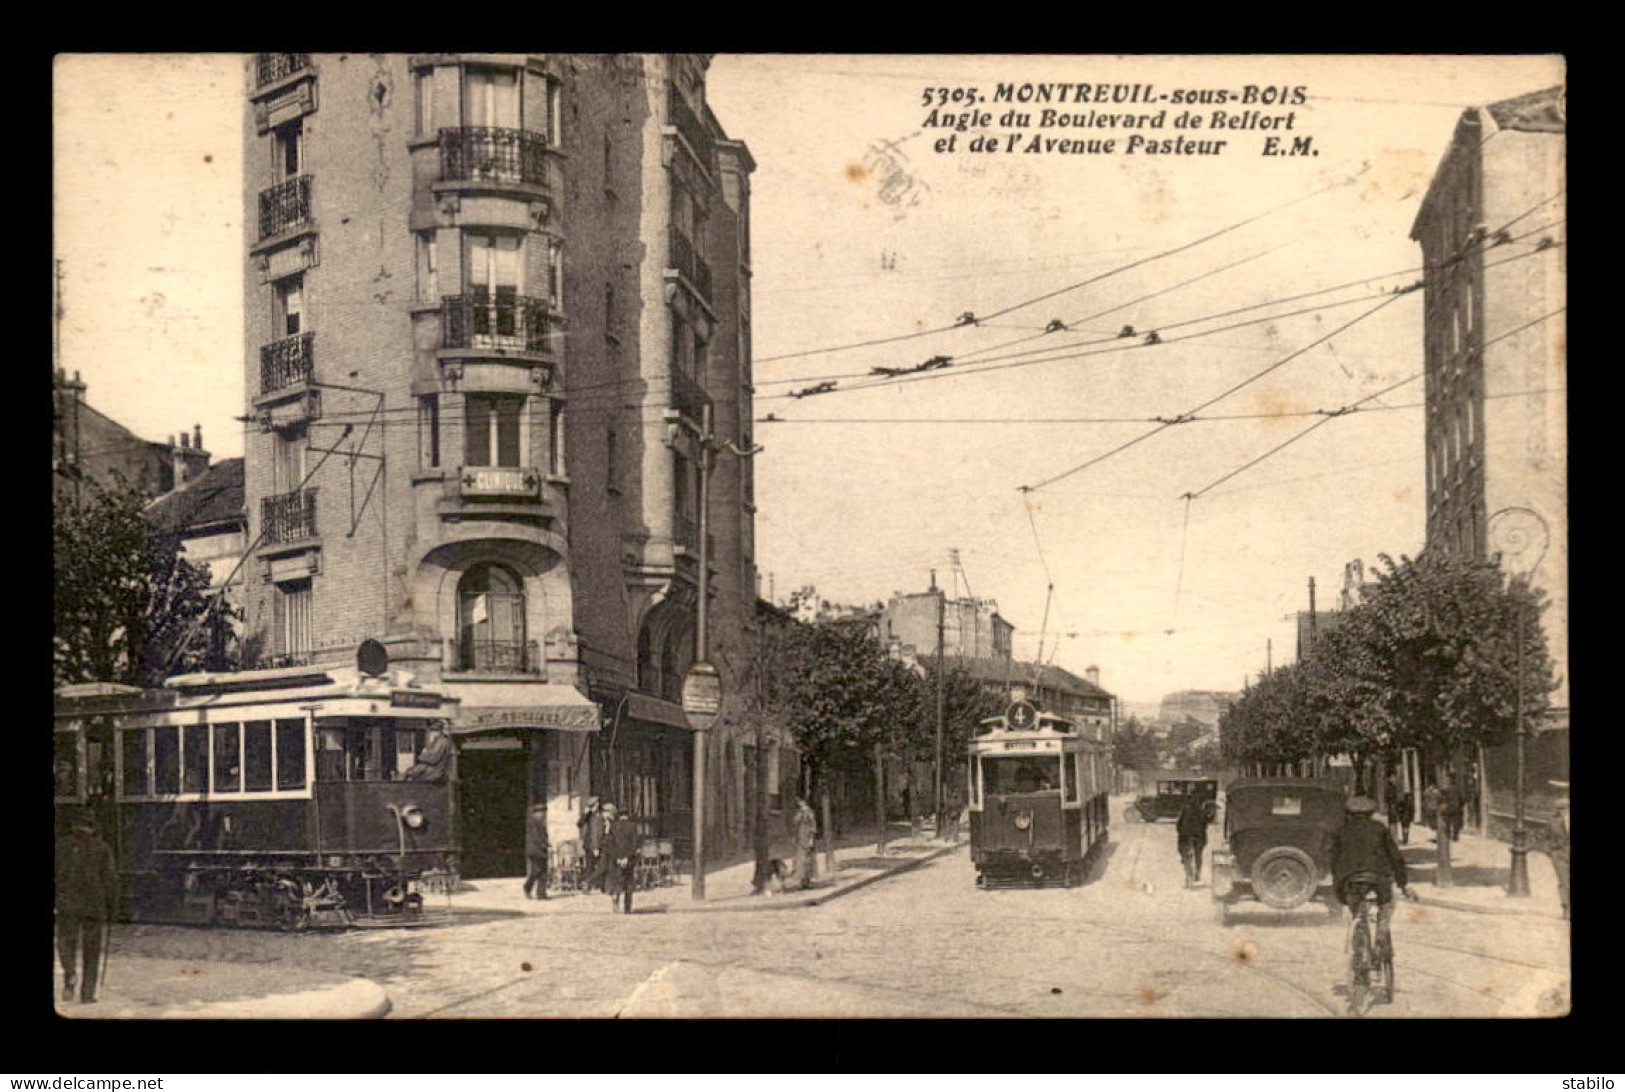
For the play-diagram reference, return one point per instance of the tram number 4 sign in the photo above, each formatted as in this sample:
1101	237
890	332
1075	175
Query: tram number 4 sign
702	695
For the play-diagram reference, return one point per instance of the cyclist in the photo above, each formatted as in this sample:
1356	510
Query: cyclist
1362	848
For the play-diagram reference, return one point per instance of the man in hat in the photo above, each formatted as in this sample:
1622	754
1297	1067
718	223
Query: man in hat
536	851
1364	847
1191	829
806	832
86	901
591	829
434	761
621	844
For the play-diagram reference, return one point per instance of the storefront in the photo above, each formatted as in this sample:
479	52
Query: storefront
517	745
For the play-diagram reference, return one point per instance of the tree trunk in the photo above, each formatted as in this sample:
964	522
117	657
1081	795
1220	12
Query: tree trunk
1443	876
829	828
761	837
880	803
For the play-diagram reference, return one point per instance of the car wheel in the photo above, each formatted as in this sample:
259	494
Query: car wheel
1284	877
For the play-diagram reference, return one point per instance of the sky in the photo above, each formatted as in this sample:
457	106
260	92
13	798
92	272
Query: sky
1164	559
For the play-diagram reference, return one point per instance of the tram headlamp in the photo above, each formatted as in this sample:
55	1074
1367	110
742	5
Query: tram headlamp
1023	820
413	816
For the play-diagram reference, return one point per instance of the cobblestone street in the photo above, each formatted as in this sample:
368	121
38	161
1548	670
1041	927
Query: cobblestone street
1132	942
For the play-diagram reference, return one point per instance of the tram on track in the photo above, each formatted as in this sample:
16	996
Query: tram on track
1038	799
292	797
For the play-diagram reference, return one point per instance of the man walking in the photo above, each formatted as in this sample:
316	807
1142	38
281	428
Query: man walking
620	849
536	852
1400	803
1450	810
1430	808
1191	828
591	829
86	901
806	832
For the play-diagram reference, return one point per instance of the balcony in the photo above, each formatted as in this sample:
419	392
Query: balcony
287	363
685	532
285	206
499	657
688	398
271	67
479	153
691	128
685	258
509	323
289	517
500	482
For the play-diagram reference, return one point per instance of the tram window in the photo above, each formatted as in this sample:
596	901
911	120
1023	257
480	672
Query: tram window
228	759
1035	773
367	754
166	760
67	764
408	742
195	758
257	756
135	761
1071	778
290	754
330	755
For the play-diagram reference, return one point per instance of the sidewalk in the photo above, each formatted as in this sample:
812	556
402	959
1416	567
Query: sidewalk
1480	867
727	888
147	989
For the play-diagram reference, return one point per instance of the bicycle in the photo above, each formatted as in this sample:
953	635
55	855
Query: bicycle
1370	956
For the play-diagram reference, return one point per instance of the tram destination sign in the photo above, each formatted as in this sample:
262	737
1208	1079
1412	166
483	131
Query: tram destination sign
407	699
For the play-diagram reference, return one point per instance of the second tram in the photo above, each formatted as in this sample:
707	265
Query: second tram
1038	799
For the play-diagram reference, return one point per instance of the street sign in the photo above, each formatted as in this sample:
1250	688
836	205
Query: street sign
702	695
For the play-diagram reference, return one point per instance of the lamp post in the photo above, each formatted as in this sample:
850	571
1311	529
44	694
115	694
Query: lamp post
702	690
1519	537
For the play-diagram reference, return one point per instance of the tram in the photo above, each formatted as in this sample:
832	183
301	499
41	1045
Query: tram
292	797
1038	798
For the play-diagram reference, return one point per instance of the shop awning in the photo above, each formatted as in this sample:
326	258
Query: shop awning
490	707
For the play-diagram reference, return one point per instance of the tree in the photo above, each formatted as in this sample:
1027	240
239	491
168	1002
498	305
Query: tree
126	599
1133	746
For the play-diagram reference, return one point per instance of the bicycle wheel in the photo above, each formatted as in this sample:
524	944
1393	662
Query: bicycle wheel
1360	969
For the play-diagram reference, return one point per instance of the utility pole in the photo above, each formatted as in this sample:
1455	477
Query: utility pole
710	692
942	607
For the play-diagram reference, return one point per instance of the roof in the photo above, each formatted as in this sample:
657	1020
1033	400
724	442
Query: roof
214	497
989	669
1537	112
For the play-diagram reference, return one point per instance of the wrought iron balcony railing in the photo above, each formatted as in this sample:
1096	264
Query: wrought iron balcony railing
508	657
685	258
286	362
271	67
685	531
687	396
289	517
519	323
480	153
692	128
285	205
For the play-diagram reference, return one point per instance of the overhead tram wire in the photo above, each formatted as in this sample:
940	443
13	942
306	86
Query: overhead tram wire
1116	344
1409	379
1068	288
1167	326
1186	416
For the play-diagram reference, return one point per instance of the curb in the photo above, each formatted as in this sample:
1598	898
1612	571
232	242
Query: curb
798	903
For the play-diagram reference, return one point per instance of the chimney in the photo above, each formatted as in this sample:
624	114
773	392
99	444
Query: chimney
187	458
1093	674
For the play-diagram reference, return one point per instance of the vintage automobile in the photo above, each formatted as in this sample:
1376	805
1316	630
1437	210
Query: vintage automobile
1170	798
1277	838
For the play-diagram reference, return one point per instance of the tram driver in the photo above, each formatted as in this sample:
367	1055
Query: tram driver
434	761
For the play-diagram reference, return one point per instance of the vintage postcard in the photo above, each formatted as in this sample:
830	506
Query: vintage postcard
810	535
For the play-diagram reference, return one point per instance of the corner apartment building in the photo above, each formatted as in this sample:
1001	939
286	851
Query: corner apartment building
1496	362
491	298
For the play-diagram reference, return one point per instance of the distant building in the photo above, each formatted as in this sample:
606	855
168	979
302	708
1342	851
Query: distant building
208	516
1496	364
1053	689
90	448
972	628
1203	706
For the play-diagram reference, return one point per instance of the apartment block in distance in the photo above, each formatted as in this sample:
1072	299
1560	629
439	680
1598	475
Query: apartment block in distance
491	298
